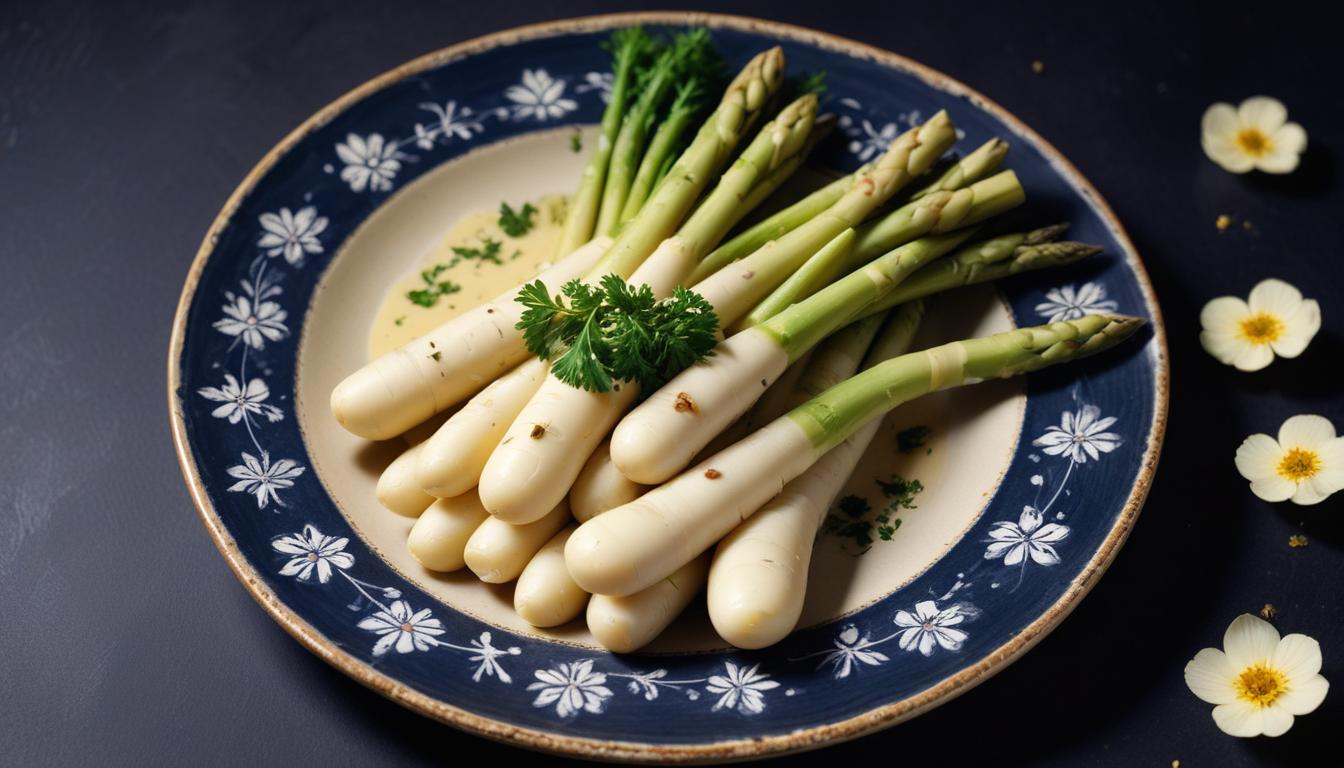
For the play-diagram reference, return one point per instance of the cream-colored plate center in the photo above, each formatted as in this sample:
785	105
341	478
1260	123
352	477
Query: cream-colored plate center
971	432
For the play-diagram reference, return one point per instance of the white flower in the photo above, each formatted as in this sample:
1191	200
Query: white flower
850	648
370	162
870	141
1259	682
453	122
1079	435
1068	303
313	551
741	688
597	81
572	688
239	401
929	627
401	628
487	656
1306	463
255	322
1256	134
1015	542
539	96
293	234
1274	320
262	478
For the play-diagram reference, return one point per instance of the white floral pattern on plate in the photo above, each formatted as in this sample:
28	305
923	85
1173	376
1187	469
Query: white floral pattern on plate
539	96
1070	303
292	234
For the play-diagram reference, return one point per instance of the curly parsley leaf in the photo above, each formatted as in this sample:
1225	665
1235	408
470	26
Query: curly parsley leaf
516	223
615	332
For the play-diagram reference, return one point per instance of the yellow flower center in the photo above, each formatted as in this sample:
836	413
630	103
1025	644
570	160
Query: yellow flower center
1299	464
1261	685
1261	328
1253	142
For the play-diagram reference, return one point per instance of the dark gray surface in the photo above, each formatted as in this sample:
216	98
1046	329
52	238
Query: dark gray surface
125	640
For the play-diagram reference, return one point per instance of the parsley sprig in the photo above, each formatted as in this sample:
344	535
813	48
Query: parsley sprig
515	223
595	336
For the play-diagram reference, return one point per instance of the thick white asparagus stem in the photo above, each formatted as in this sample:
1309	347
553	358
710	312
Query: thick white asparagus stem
430	374
758	580
742	367
626	624
627	549
452	459
439	538
498	551
759	577
397	489
601	486
545	595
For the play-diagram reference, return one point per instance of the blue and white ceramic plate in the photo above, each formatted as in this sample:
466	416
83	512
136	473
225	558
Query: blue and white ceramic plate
1031	486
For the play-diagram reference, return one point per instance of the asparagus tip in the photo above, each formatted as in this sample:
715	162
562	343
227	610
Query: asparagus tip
1046	234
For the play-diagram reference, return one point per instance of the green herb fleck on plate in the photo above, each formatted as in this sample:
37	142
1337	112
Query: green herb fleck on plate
516	223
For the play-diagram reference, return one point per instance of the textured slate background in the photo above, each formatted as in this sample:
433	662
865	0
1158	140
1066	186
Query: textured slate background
124	639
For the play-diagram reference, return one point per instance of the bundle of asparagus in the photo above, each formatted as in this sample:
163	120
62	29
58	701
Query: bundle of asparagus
615	432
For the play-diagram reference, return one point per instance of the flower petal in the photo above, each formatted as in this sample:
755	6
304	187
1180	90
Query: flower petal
1276	721
1253	357
1278	160
1264	113
1303	695
1223	347
1239	718
1309	493
1258	457
1250	640
1220	120
1275	297
1307	431
1225	152
1209	676
1301	328
1298	657
1274	488
1290	138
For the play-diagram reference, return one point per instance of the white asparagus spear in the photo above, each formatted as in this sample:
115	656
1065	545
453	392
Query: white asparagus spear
397	489
451	461
626	624
548	443
758	580
634	546
498	551
627	549
545	595
430	374
439	538
601	486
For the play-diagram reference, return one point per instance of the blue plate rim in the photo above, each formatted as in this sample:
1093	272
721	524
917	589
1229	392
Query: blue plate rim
809	738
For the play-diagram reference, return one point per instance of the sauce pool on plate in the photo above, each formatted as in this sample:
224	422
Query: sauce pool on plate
476	261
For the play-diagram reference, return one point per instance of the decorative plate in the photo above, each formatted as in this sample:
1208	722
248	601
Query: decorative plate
1050	471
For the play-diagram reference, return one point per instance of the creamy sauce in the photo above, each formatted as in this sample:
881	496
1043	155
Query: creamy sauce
400	320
